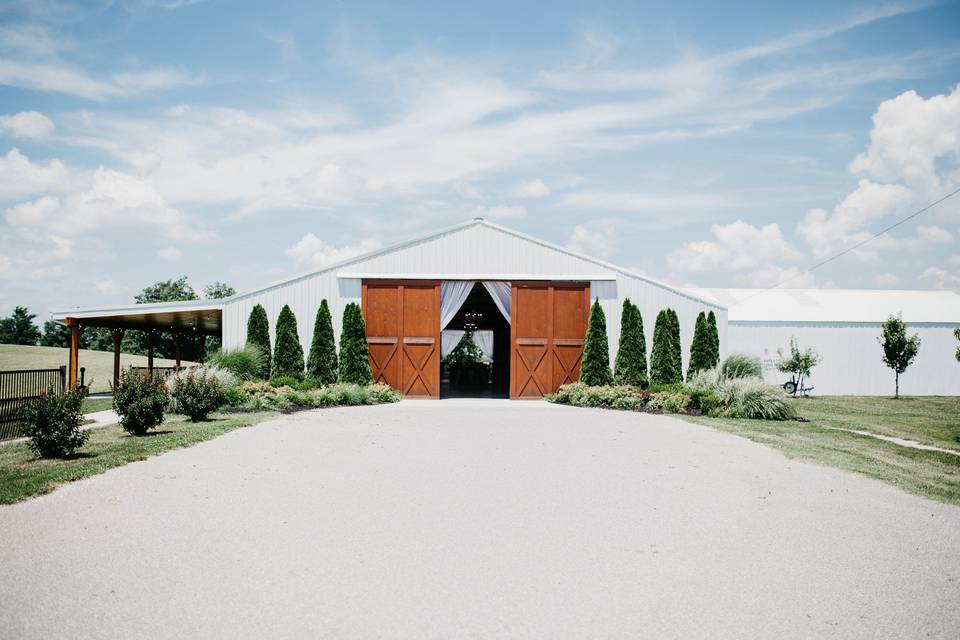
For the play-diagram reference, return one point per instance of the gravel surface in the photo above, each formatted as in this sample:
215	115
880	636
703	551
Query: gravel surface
478	520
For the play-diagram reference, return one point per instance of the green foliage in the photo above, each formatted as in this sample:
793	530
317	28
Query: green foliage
595	367
741	365
665	366
631	362
738	396
669	402
18	328
258	335
261	395
701	347
246	363
218	291
58	335
714	340
199	391
899	350
287	353
52	423
285	381
800	362
191	345
466	352
613	396
354	357
322	363
956	334
140	402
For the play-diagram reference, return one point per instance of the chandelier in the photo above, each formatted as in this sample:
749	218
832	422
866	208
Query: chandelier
472	320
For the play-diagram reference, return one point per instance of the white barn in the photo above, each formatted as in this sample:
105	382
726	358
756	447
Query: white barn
533	294
843	325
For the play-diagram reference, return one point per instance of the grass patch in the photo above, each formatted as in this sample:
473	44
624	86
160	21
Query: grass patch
91	405
929	474
23	475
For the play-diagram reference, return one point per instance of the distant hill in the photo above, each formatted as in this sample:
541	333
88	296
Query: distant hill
98	364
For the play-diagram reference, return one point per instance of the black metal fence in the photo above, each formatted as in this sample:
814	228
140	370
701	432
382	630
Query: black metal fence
17	388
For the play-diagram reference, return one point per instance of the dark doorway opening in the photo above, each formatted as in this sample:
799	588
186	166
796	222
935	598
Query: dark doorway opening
479	380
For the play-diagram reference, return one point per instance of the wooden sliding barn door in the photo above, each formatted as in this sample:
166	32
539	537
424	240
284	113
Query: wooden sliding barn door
403	334
547	334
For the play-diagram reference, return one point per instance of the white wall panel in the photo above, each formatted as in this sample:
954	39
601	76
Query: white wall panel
851	356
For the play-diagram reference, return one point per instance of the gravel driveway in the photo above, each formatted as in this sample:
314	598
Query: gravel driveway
478	520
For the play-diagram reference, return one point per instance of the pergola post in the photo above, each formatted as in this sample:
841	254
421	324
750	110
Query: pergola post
176	347
117	339
150	353
74	361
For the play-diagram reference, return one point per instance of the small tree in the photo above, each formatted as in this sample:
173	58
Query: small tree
354	365
322	363
676	349
631	364
714	340
799	364
288	354
663	365
19	327
899	350
595	368
701	347
258	335
956	334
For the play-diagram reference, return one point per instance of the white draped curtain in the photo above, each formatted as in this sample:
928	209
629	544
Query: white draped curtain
450	338
453	293
501	292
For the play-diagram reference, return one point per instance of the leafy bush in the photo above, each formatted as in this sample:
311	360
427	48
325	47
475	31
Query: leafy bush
247	363
669	402
285	381
741	365
258	335
53	424
140	401
322	362
631	363
753	398
285	398
288	354
595	366
199	391
616	396
354	357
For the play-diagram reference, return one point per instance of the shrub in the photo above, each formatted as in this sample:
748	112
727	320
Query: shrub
287	353
701	347
285	381
140	400
322	362
354	357
741	365
631	362
669	402
52	423
714	340
247	363
615	396
199	391
753	398
258	335
595	366
284	398
664	367
676	349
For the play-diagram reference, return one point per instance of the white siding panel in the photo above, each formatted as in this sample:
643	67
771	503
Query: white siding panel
850	356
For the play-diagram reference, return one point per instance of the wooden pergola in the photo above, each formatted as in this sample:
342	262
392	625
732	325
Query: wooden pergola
192	318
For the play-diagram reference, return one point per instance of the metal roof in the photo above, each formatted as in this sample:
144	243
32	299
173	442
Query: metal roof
836	305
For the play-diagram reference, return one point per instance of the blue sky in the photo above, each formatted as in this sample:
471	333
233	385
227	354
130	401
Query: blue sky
702	144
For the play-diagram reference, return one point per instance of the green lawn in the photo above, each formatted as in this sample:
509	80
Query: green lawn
22	475
91	405
928	420
98	364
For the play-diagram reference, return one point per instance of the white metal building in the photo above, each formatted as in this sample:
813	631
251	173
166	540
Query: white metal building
844	325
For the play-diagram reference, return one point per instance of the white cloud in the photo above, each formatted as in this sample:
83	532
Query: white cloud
933	235
108	286
736	246
19	177
941	278
27	124
887	280
643	203
501	212
591	241
771	275
311	250
170	254
57	77
955	259
532	189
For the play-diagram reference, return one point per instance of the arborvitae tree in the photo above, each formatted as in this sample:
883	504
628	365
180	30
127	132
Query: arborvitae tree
663	365
676	348
354	357
322	363
595	368
258	334
288	354
631	362
714	340
19	327
701	347
899	350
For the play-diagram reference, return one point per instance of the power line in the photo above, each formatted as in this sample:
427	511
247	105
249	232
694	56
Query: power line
857	245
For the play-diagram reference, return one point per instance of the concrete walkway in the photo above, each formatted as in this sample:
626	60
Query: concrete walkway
478	520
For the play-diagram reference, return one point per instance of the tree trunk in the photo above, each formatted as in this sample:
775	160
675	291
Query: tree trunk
896	393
